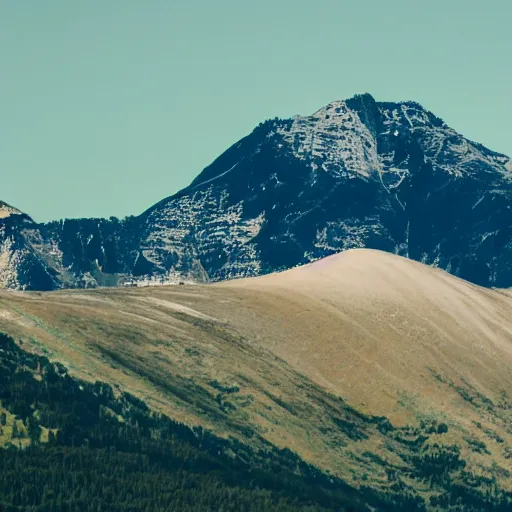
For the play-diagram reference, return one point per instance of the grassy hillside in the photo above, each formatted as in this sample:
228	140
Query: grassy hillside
379	371
73	445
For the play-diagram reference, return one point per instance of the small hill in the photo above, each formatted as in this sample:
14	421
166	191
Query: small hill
382	329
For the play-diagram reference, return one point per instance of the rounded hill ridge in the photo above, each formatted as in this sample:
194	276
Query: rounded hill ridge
374	326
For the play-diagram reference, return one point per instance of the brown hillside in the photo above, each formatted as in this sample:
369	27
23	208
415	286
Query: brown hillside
382	330
269	357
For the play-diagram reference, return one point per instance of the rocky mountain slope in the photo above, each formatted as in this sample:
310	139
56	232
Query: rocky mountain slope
65	254
357	173
22	265
380	372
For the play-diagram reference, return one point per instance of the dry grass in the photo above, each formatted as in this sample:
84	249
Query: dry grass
392	337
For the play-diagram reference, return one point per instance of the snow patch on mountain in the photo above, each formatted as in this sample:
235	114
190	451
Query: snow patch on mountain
10	261
202	225
444	148
338	236
335	139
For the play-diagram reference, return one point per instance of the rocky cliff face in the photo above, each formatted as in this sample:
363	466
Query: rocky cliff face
24	259
357	173
70	253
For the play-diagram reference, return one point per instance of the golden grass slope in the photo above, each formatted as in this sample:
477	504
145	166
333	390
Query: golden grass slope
268	356
375	328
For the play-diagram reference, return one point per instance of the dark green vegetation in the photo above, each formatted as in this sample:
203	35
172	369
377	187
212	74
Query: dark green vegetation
102	452
76	446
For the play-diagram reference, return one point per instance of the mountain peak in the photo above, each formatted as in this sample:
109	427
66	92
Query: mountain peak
364	97
342	137
7	210
358	173
336	138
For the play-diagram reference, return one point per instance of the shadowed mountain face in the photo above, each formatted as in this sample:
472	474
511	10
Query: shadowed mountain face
357	173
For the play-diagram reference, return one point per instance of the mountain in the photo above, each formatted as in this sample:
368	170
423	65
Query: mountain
385	377
357	173
65	254
25	261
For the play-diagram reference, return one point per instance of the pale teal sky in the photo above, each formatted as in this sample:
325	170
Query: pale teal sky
107	106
